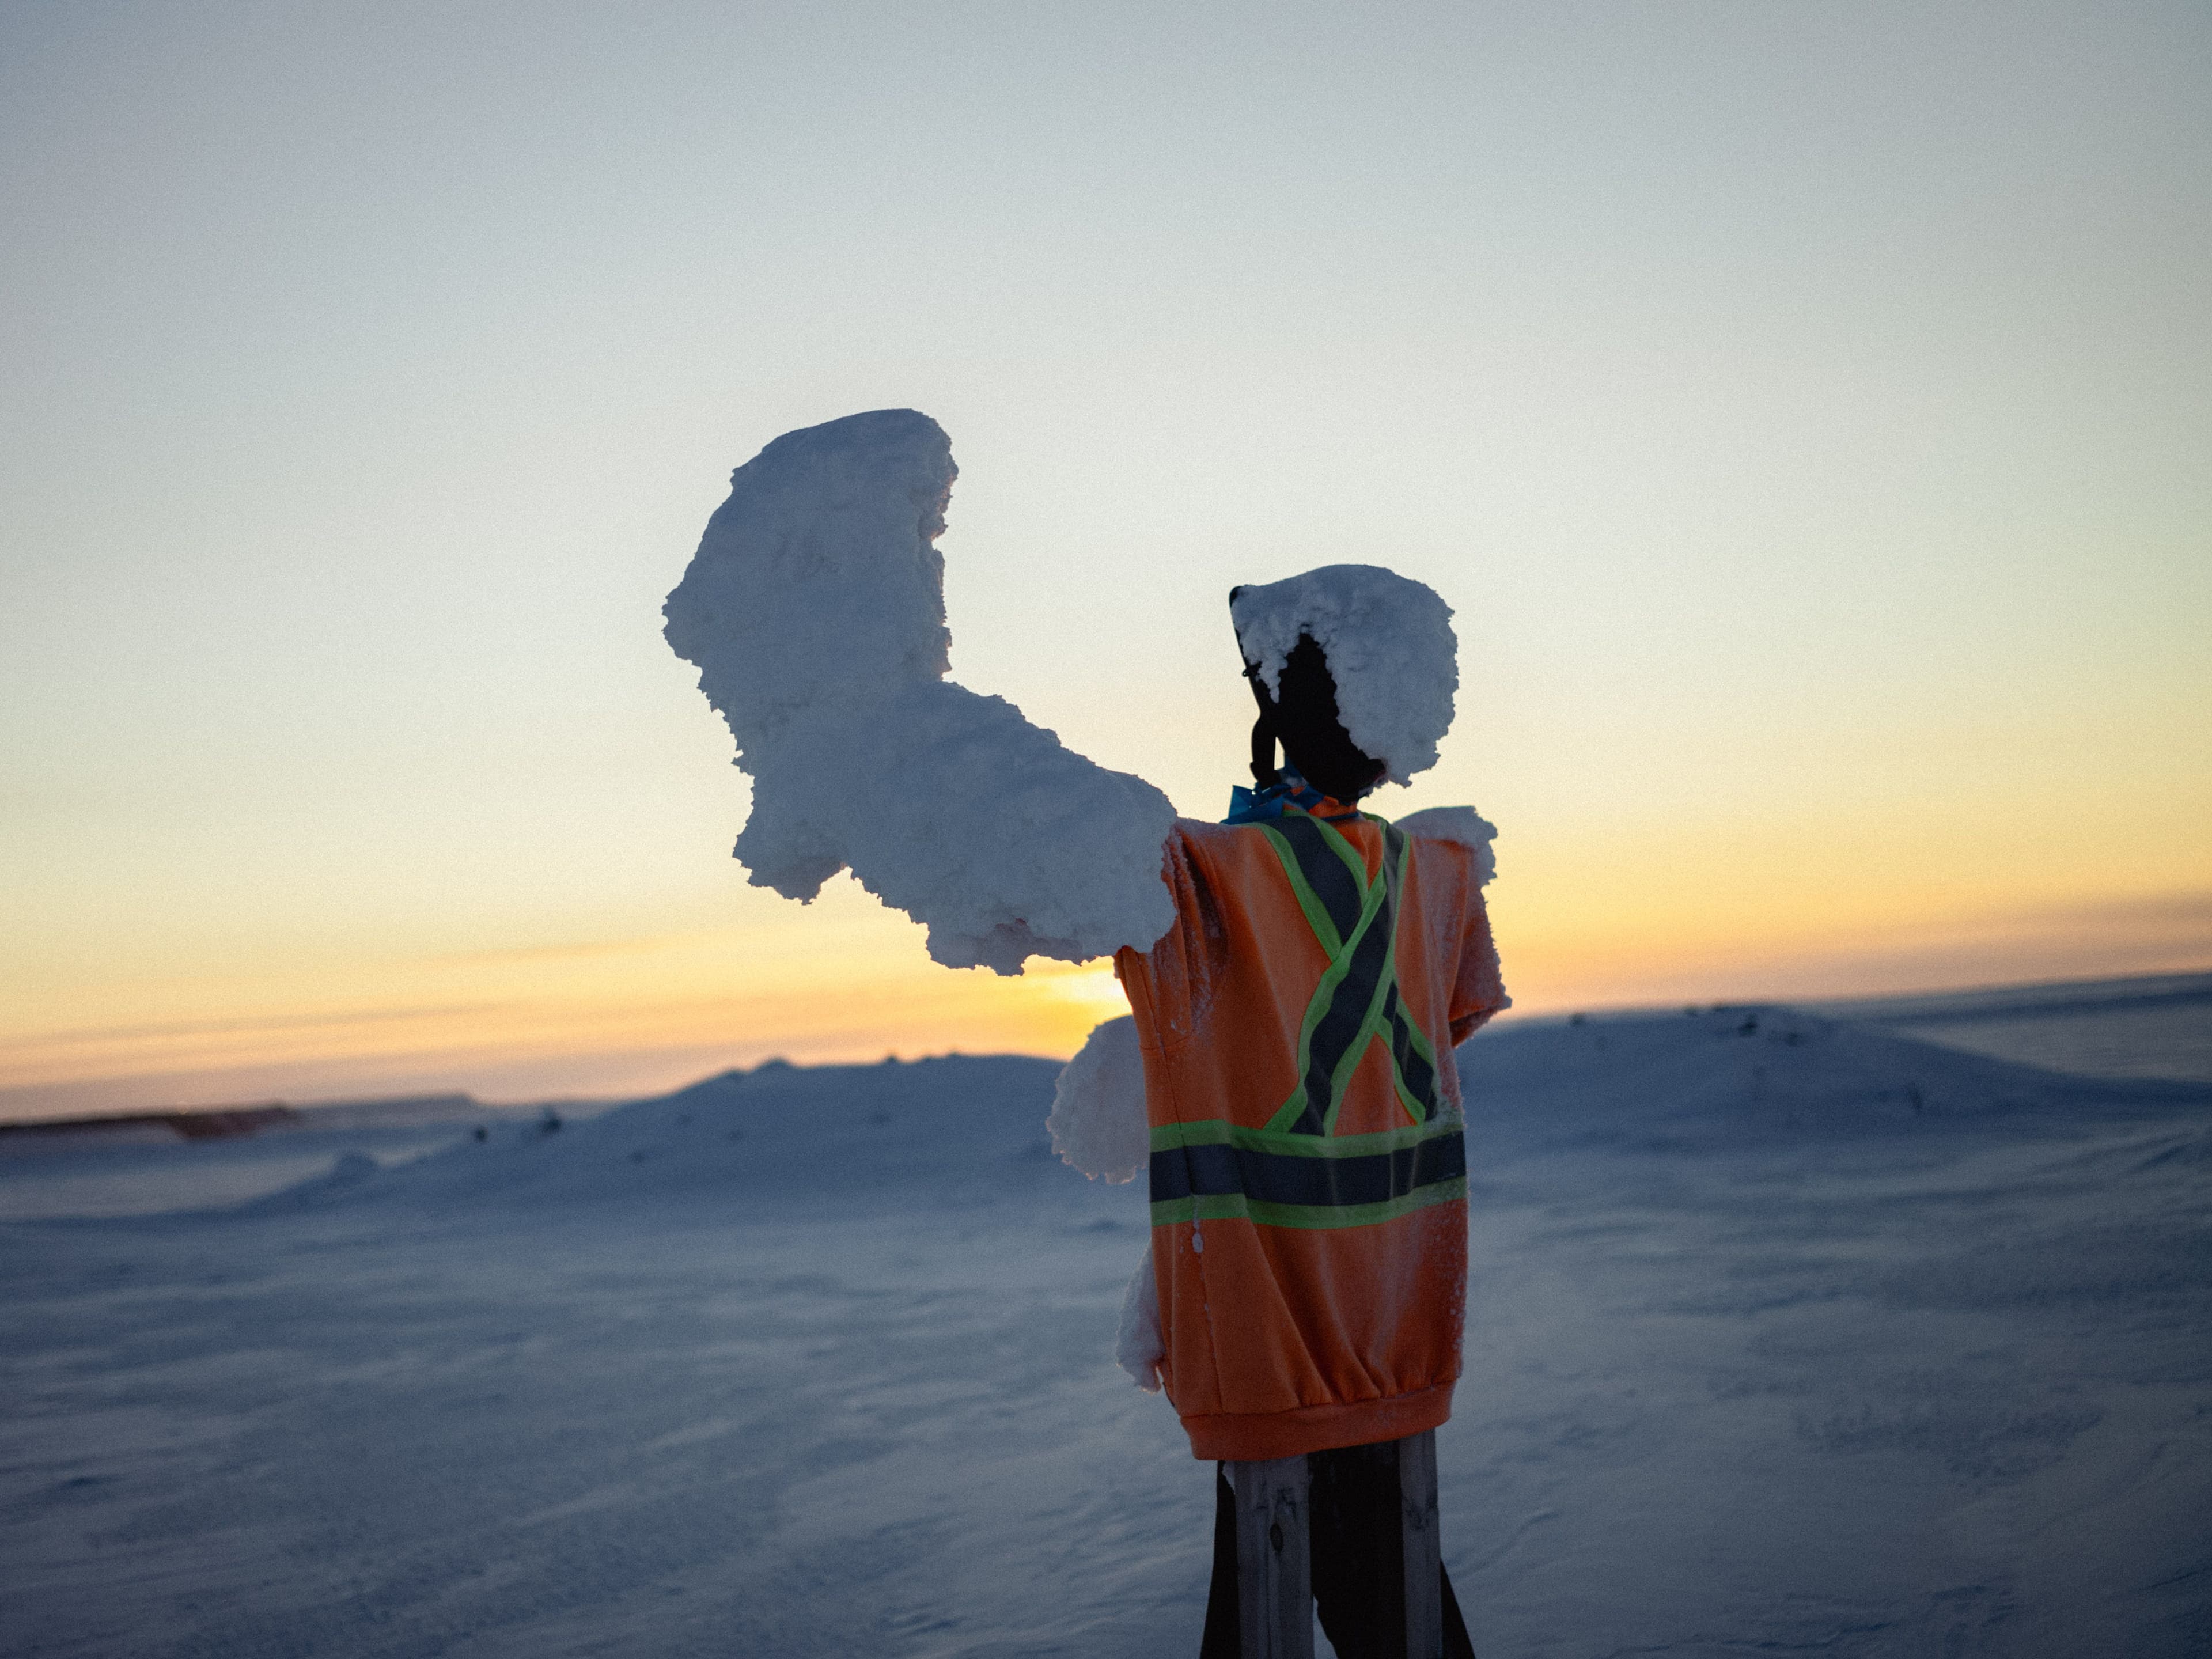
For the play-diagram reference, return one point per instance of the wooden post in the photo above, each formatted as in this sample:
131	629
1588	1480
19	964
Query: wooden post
1274	1581
1424	1559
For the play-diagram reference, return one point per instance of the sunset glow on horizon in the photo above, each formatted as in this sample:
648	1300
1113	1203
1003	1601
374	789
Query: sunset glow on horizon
1804	413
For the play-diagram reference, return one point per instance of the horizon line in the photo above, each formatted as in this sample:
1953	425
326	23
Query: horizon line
1900	1000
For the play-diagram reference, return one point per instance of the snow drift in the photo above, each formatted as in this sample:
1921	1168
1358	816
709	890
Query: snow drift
814	609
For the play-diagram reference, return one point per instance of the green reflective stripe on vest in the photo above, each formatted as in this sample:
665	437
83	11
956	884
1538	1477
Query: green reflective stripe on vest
1360	941
1415	1061
1321	896
1354	918
1235	1207
1220	1131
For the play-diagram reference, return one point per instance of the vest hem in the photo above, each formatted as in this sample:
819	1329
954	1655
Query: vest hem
1253	1436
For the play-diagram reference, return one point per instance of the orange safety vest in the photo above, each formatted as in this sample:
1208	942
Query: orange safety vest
1309	1170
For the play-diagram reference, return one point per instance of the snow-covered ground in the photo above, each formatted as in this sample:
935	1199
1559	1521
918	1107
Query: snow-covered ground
1785	1333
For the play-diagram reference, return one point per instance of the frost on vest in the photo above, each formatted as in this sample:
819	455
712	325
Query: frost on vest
815	612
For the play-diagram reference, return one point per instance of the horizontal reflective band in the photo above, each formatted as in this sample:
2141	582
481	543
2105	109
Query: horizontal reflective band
1219	1132
1216	1170
1236	1206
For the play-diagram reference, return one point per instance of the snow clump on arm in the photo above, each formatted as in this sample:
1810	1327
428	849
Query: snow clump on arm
1098	1126
1390	649
1139	1347
1462	824
1097	1118
815	612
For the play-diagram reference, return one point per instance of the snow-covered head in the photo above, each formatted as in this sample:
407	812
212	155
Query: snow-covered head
1389	646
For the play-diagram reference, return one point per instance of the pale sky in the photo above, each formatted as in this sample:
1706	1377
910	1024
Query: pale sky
1805	410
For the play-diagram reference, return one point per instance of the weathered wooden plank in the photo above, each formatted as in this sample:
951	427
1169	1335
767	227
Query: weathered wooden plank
1274	1567
1424	1560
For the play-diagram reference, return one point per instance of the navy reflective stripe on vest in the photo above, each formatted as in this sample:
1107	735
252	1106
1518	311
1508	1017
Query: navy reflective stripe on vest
1211	1171
1368	959
1329	876
1414	1072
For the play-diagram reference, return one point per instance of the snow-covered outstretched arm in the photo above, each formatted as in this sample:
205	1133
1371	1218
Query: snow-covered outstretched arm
815	611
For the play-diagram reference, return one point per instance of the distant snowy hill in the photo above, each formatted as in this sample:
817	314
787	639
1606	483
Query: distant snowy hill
966	1129
1765	1077
952	1129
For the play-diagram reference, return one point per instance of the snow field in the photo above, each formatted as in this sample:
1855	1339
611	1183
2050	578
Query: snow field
1783	1335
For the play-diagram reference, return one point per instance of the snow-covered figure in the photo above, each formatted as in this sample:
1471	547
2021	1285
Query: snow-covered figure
1297	975
1308	1170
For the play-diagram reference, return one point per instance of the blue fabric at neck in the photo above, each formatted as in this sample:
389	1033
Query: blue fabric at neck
1257	806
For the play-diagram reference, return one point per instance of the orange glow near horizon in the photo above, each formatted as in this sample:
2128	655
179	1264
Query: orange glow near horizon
401	985
620	1018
